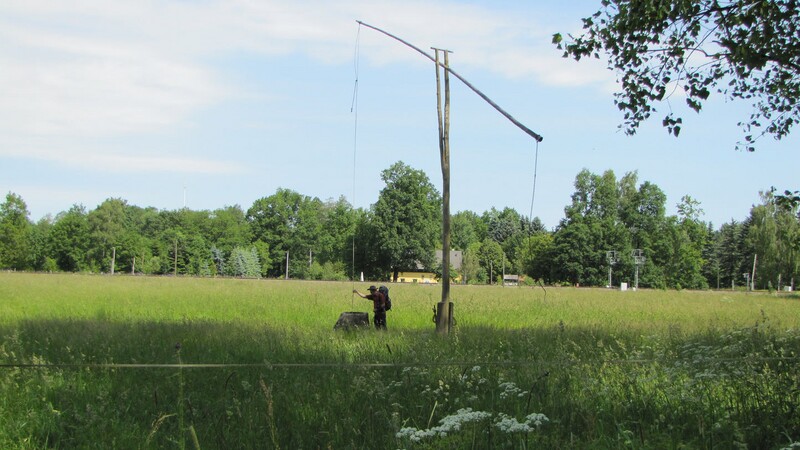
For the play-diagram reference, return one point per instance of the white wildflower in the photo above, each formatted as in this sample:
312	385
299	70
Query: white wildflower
510	425
448	424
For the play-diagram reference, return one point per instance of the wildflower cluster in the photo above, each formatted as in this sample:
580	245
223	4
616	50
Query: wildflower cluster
466	390
511	425
450	424
510	390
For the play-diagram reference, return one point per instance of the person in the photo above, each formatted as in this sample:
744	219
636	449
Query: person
378	306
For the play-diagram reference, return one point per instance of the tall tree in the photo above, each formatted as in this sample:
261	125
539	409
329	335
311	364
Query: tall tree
228	228
287	222
492	259
536	255
731	253
69	240
107	224
590	229
335	243
15	228
408	214
743	50
686	235
40	257
466	228
772	236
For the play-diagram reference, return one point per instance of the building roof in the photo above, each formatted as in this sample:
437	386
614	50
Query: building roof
456	258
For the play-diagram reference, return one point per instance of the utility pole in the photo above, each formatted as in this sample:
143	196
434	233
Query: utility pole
638	260
113	258
611	257
175	263
444	314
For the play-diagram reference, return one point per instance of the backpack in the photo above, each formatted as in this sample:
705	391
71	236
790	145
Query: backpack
385	291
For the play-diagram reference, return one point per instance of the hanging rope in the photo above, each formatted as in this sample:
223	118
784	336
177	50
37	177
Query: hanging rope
354	111
533	194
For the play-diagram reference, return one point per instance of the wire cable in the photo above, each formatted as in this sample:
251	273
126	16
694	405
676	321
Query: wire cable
533	194
354	111
338	365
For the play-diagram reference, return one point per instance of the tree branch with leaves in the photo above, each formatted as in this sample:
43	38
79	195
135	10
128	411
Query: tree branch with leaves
741	49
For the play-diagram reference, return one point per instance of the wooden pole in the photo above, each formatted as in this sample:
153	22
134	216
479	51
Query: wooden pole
113	258
443	317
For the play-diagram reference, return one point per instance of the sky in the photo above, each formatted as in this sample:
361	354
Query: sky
209	103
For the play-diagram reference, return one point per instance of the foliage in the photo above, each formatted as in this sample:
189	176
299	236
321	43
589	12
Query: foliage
535	255
743	50
69	239
466	227
472	270
610	215
244	263
407	219
774	235
332	240
14	230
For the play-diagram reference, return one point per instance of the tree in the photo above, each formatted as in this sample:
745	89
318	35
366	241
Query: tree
772	235
591	227
536	255
244	263
286	221
335	243
492	259
743	50
731	253
509	229
228	228
408	219
685	238
40	259
368	257
15	230
69	239
471	269
466	228
107	224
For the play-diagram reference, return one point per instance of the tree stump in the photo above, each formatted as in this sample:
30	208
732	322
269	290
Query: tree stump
352	320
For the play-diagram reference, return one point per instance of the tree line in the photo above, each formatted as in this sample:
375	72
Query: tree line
290	234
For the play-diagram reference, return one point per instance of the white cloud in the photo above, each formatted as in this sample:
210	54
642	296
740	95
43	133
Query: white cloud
111	161
97	68
56	84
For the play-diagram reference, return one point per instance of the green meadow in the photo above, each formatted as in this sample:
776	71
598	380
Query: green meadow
161	362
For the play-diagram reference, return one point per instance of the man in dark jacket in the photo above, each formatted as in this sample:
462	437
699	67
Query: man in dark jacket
378	306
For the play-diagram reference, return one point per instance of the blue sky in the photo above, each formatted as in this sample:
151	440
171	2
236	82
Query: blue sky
219	103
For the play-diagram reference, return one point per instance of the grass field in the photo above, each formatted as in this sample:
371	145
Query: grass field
92	362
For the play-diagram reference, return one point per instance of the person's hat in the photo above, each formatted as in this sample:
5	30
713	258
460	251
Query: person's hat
373	288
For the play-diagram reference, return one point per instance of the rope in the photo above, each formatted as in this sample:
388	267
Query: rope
354	111
533	194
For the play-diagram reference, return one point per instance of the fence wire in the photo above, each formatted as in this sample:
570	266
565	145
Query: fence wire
266	365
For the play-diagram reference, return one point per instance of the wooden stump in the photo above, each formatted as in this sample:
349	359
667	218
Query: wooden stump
352	320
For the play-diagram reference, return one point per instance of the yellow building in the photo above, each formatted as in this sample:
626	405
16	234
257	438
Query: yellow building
420	276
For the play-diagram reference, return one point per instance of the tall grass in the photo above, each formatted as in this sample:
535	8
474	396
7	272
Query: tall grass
524	367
